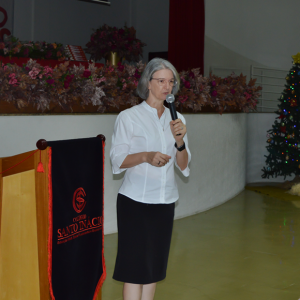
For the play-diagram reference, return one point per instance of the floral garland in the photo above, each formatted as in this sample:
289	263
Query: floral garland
12	46
114	86
233	91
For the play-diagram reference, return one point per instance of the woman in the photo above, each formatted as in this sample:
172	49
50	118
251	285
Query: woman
147	143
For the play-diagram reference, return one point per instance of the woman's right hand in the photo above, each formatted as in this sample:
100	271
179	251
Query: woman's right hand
157	159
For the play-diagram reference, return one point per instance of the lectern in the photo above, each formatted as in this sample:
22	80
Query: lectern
25	254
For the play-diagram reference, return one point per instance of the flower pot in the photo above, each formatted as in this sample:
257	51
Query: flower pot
112	58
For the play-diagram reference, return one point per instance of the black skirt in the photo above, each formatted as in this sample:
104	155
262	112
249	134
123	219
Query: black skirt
144	237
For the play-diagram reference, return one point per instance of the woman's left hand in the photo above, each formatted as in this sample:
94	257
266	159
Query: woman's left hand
178	130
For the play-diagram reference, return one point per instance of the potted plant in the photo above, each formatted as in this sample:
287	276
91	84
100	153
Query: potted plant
122	42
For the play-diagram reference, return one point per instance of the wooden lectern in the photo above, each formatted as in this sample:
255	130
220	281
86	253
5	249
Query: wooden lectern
24	228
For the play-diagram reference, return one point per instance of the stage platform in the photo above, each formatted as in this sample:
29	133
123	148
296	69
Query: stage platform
247	248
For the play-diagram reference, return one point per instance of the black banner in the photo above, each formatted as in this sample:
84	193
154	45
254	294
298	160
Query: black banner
76	261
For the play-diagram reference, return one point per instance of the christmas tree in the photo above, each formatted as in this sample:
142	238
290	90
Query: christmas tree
284	137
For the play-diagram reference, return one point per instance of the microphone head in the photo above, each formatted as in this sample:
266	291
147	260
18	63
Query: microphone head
170	98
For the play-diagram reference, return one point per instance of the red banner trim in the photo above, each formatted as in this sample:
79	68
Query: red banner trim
50	216
102	278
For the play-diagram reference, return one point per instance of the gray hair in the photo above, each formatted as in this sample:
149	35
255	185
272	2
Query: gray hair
153	66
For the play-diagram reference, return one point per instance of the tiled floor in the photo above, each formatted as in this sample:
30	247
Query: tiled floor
246	249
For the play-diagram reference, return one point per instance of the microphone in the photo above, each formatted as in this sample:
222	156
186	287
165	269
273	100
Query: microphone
170	99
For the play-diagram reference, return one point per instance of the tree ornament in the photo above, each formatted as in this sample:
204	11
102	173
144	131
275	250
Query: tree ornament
293	92
296	58
268	169
283	129
293	102
287	78
287	157
282	124
291	117
269	140
279	110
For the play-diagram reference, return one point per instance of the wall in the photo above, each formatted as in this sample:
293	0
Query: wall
72	21
222	61
238	33
261	31
153	25
217	143
68	21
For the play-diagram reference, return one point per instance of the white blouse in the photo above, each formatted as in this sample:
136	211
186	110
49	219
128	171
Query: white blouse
138	129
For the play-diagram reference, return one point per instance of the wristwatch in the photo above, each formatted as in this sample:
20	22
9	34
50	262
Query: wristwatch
180	148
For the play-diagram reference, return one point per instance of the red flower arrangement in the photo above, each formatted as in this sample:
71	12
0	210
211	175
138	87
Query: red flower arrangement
123	41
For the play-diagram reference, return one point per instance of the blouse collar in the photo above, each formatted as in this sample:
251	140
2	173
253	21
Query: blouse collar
150	108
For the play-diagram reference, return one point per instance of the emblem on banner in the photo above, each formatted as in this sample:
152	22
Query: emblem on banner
82	224
78	200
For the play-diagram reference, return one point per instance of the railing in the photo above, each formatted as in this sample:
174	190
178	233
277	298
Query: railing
271	80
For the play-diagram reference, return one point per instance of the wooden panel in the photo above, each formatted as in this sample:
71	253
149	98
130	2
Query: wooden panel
1	189
1	192
42	200
99	296
8	162
19	274
42	223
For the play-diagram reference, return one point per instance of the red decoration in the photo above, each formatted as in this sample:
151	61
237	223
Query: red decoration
87	73
281	116
182	99
283	129
214	93
40	168
187	85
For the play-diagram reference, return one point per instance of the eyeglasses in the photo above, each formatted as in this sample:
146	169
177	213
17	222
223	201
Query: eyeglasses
162	81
